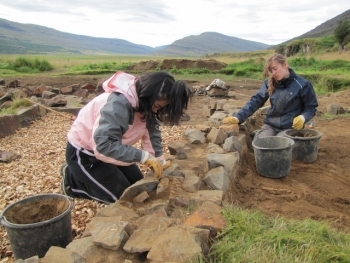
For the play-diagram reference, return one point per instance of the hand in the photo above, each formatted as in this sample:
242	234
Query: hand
230	120
232	129
166	164
153	163
298	122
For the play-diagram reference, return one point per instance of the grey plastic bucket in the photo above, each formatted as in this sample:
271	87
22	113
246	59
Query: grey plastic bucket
273	156
306	144
31	239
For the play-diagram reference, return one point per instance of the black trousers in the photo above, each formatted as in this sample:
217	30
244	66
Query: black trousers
91	178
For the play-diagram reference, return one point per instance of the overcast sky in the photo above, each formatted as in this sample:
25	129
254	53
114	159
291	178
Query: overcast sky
161	22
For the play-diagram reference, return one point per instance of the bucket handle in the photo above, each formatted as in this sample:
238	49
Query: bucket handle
2	219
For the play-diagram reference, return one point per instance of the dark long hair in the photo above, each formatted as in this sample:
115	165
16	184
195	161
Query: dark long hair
162	86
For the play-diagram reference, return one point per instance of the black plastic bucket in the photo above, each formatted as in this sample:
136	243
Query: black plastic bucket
28	235
306	141
273	156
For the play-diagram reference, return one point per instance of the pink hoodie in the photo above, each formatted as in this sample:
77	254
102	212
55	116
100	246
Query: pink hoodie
81	134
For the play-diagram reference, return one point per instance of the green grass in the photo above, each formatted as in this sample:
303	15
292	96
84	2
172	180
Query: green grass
252	237
25	65
326	73
17	104
328	116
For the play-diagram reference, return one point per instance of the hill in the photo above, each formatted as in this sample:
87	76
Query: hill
209	43
17	38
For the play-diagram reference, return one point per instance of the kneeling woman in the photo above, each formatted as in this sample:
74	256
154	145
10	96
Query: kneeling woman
101	159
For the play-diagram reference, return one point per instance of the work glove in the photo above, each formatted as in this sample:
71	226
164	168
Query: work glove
230	120
298	122
166	164
232	129
153	163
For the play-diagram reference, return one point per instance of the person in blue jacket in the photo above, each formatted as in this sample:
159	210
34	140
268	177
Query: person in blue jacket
292	98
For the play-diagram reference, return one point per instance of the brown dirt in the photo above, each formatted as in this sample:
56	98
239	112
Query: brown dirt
36	210
167	64
319	190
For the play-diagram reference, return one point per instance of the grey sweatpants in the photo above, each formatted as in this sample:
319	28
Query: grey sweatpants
267	130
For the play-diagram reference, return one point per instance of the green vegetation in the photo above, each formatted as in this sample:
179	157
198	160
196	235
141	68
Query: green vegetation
326	76
328	72
251	68
189	71
342	33
26	65
328	116
306	45
17	104
102	68
252	237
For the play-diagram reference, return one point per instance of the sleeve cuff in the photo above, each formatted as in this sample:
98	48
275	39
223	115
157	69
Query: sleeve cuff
161	159
145	156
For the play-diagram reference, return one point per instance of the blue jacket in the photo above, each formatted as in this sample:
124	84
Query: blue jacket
292	97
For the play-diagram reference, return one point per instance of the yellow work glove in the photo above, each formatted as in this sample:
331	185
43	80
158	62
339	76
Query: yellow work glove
166	164
230	128
230	120
153	163
298	122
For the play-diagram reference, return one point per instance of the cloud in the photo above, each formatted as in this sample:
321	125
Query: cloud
146	11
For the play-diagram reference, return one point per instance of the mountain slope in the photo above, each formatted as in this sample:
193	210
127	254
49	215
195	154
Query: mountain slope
27	38
208	43
327	28
17	38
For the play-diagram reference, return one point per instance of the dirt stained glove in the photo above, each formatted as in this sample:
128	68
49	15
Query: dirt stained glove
230	120
166	164
230	128
153	163
298	122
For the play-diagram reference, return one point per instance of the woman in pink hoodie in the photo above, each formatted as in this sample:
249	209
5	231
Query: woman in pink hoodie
101	159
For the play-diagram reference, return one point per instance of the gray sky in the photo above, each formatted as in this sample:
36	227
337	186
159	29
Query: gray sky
161	22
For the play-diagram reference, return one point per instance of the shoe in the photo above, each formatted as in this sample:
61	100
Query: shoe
65	189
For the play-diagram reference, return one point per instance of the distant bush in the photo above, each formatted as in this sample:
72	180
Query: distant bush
342	33
302	62
25	65
311	64
186	71
244	69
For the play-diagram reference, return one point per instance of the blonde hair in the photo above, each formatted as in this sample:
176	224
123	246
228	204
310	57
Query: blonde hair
267	70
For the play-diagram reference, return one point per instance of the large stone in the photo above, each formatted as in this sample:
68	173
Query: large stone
142	238
9	124
207	216
179	244
59	255
148	183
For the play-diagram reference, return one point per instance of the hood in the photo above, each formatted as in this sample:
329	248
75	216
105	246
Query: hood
122	83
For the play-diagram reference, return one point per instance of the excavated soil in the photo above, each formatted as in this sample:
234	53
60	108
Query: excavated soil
36	210
319	190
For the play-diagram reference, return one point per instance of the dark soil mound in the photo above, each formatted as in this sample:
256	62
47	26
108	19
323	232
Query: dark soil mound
210	64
